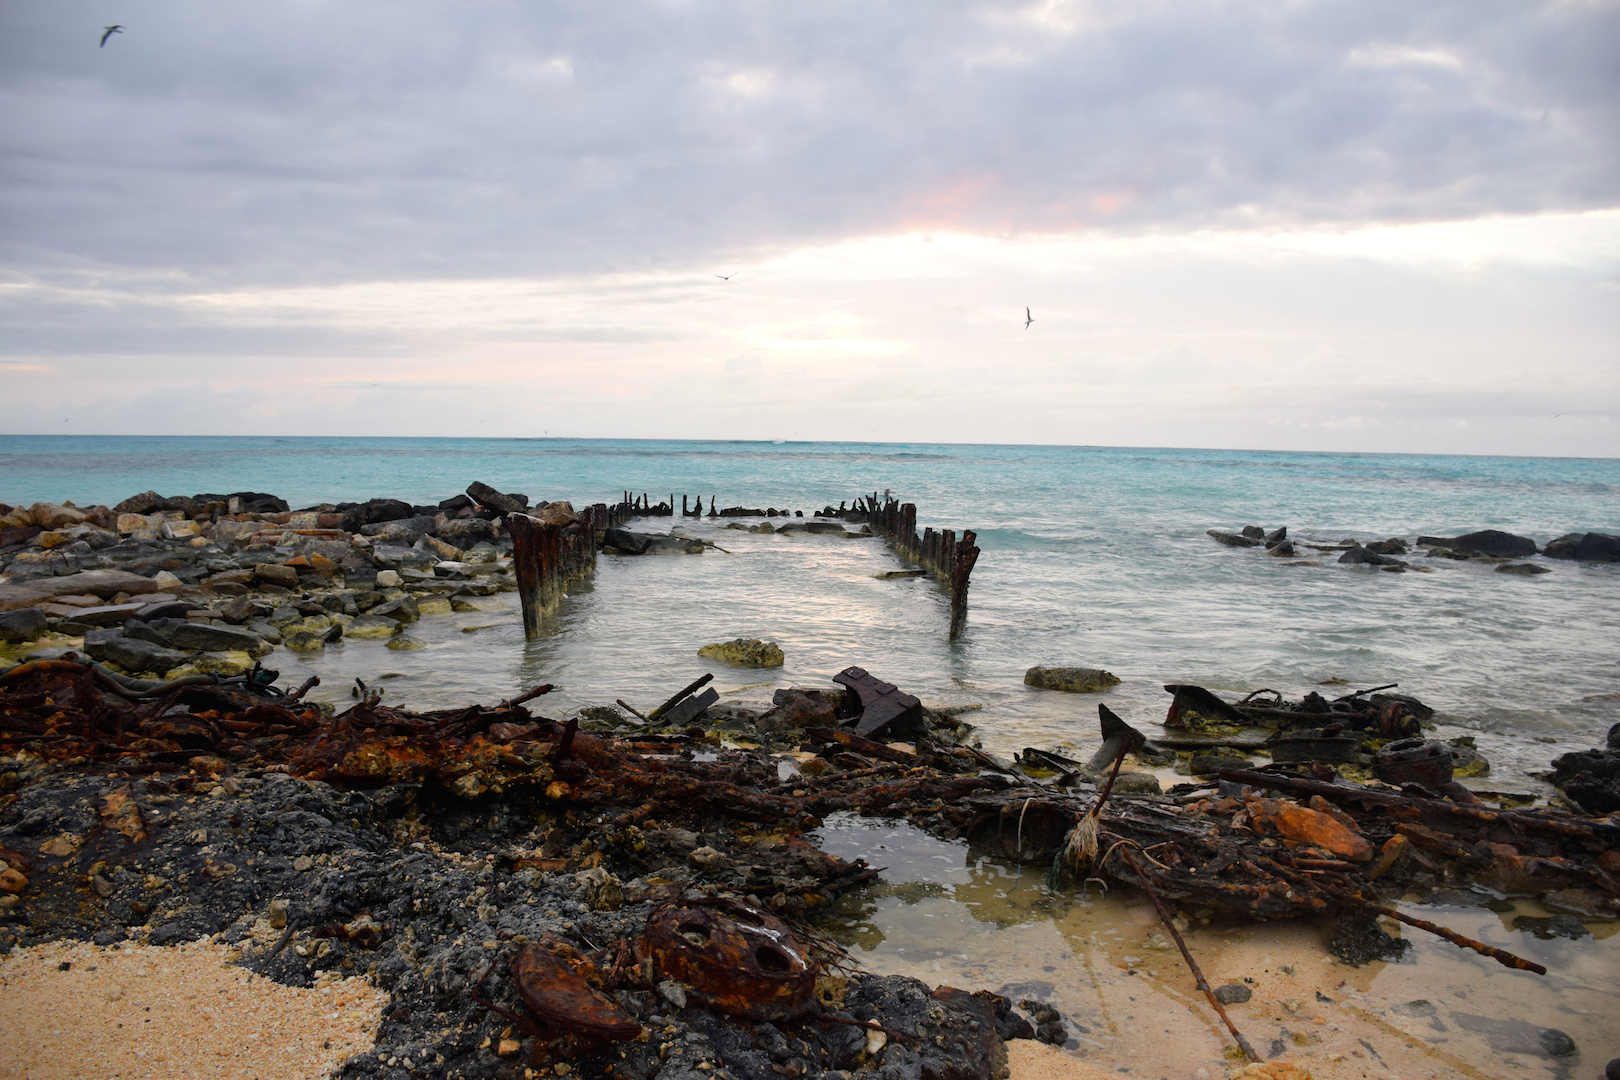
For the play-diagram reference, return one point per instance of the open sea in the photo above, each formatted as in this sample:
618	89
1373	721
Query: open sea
1092	556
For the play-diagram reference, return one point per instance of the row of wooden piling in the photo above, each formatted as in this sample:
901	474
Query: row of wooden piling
939	552
550	553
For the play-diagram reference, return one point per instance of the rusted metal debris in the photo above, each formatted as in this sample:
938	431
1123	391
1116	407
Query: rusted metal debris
1285	841
882	704
568	1013
734	956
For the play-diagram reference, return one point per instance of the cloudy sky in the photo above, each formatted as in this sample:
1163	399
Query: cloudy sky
1294	224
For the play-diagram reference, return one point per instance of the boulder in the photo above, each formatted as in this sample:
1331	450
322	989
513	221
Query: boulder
465	532
1360	556
485	495
1523	569
1235	539
623	540
403	610
102	583
373	511
1075	680
55	516
144	503
1492	543
24	624
1254	532
745	652
405	642
1590	778
1282	549
406	530
131	654
107	614
198	636
1585	547
240	611
797	709
180	530
305	641
368	627
274	574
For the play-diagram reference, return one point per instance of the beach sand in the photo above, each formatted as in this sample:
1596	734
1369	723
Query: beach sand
72	1010
186	1012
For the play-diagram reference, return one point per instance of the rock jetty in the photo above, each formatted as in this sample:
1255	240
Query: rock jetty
210	584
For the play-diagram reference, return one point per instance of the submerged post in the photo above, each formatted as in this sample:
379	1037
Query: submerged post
949	560
549	552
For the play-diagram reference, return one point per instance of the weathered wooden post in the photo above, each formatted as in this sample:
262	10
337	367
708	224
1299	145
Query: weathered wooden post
548	553
964	555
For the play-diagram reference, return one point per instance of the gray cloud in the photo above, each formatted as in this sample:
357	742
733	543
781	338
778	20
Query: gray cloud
322	143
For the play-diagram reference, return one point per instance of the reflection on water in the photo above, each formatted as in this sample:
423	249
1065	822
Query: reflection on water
944	914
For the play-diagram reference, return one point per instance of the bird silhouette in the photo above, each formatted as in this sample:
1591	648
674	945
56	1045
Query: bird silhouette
1028	318
107	32
726	277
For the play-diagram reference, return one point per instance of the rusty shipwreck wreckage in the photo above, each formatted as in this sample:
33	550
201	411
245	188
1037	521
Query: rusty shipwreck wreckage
1290	839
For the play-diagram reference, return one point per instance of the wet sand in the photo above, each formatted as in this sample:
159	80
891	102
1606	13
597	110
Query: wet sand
186	1012
1442	1012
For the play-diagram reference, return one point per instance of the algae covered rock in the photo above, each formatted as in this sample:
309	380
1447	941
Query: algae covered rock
745	652
1076	680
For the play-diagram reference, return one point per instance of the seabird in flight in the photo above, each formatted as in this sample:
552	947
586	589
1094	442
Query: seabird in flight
726	277
1028	318
107	32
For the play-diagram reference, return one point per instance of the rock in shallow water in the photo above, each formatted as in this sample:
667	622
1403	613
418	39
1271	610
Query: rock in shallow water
24	624
1075	680
745	652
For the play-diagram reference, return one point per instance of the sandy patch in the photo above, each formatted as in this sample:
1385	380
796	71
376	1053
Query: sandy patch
76	1010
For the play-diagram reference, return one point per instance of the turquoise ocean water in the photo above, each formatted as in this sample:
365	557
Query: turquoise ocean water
1092	556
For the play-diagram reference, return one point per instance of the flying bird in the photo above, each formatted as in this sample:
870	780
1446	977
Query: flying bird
107	32
726	277
1028	318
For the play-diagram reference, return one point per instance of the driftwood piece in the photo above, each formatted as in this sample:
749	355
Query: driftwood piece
689	688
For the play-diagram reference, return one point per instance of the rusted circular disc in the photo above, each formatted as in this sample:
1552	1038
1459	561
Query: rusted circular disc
739	959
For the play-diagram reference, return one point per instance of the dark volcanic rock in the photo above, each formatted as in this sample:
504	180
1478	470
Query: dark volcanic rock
1361	556
373	511
131	654
465	532
1233	539
24	624
1489	542
1585	547
499	501
196	637
407	889
1590	778
1358	940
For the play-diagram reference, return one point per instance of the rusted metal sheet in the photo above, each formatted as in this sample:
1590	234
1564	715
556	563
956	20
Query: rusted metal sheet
553	986
882	704
736	957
